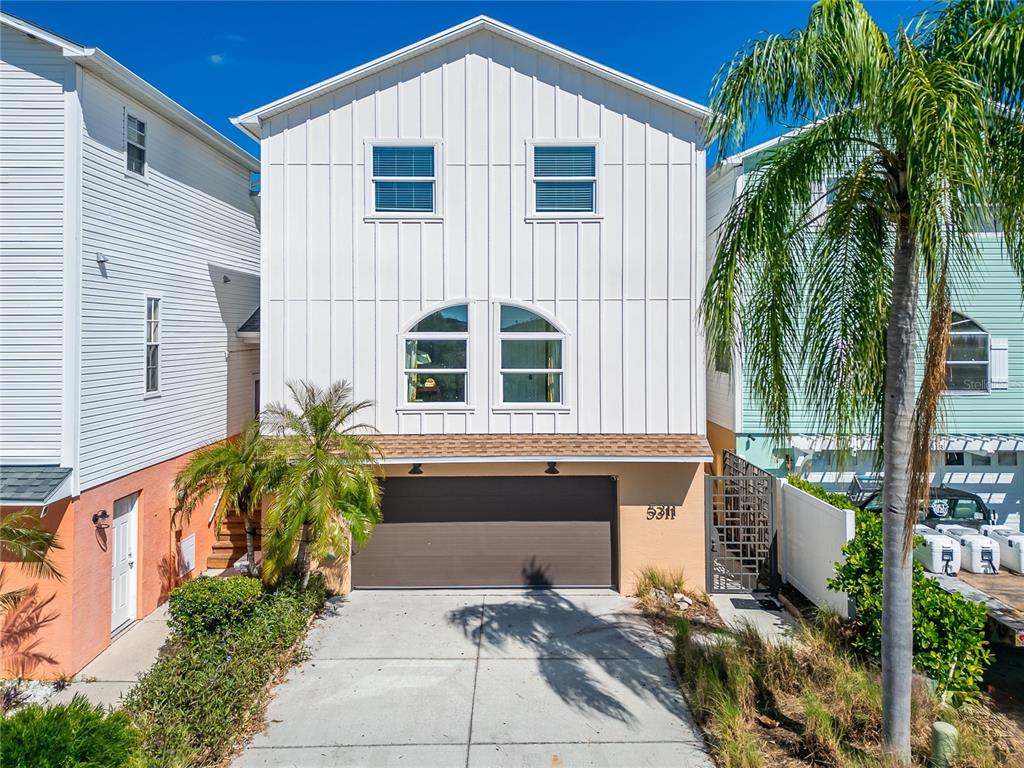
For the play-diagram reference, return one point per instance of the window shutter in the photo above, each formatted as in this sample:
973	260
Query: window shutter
999	363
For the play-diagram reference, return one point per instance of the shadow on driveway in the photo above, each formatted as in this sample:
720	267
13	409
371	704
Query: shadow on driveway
570	642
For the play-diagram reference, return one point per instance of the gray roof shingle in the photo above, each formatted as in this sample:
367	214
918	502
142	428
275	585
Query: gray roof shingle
252	325
30	484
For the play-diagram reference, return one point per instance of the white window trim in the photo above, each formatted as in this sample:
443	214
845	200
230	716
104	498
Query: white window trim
406	405
499	390
138	114
369	210
147	394
532	214
987	363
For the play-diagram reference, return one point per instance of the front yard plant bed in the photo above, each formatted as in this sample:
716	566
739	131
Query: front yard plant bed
209	690
812	701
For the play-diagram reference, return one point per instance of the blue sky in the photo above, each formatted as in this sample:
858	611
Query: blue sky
219	59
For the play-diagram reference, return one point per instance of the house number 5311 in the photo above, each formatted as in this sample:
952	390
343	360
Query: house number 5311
661	512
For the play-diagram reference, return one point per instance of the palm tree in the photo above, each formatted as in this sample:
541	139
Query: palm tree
23	541
329	492
245	470
912	137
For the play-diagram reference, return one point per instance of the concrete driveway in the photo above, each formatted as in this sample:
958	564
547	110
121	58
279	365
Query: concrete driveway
488	679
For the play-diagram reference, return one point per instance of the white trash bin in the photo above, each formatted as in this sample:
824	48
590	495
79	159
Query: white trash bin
1011	546
978	553
937	553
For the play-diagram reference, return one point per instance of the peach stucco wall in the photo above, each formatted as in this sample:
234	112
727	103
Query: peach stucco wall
80	625
719	438
676	544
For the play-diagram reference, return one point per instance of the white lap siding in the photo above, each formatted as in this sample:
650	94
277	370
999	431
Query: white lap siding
175	235
32	76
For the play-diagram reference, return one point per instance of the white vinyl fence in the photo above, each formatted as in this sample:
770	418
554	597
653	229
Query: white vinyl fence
812	533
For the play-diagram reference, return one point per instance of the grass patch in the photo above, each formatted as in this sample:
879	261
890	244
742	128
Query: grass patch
656	592
210	689
813	701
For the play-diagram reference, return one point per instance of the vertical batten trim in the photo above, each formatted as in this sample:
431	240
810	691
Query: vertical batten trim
72	273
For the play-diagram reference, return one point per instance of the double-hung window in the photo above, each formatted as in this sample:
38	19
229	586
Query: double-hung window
404	179
564	179
531	357
967	360
152	345
436	357
135	145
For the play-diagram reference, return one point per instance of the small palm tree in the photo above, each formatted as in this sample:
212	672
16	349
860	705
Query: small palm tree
329	493
914	138
23	541
245	470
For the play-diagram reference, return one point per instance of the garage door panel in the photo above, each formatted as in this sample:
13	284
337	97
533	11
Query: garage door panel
464	554
491	532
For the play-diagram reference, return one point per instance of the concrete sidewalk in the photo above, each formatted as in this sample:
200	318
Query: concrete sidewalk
774	623
485	679
108	677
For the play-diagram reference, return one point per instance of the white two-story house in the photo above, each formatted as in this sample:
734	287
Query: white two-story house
501	244
129	257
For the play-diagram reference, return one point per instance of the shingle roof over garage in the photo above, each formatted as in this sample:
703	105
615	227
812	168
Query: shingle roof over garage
533	447
31	485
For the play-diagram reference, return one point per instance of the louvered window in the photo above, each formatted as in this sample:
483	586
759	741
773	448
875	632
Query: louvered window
565	179
404	179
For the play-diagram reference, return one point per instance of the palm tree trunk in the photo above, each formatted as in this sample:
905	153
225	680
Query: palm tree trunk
897	614
302	557
250	542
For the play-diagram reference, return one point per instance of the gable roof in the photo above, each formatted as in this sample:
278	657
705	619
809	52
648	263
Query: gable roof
108	69
250	121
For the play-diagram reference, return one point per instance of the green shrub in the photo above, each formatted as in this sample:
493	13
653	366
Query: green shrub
209	606
65	735
196	701
840	500
949	630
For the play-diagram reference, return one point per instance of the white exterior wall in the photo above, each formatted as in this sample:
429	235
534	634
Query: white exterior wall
338	290
32	145
721	388
174	235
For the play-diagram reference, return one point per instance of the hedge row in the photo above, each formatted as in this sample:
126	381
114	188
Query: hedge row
229	639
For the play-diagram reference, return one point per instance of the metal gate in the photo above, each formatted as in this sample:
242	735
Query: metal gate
740	524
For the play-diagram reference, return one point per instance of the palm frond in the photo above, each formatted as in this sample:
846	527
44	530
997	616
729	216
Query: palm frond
24	541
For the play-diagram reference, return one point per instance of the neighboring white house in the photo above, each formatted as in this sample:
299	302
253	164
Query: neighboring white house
129	257
501	244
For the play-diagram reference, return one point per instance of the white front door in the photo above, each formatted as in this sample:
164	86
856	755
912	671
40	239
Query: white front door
122	586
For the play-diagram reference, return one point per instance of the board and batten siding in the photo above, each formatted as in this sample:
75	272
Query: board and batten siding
32	78
175	235
338	290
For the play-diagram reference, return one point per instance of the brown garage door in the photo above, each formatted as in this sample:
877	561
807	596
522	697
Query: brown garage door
491	532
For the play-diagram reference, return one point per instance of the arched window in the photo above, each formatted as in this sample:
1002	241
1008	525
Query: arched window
531	357
967	359
435	357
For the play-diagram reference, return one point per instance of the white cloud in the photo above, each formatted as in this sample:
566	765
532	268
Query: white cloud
232	37
216	58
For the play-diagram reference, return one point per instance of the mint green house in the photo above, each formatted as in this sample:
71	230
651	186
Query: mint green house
981	448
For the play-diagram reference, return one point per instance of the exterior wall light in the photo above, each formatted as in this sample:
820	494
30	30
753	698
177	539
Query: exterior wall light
417	469
100	517
552	468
